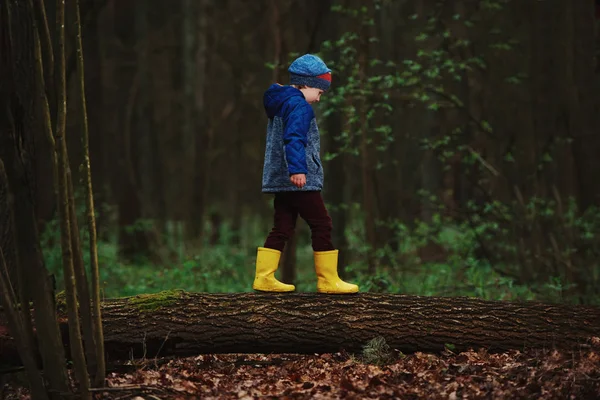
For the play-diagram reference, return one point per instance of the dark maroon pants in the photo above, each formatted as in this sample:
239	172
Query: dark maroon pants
310	206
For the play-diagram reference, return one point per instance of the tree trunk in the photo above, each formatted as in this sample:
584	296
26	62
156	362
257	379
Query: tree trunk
17	317
336	186
21	99
25	346
133	241
235	193
99	159
190	323
584	106
204	142
188	147
388	181
81	281
366	166
147	180
44	182
95	325
70	279
278	59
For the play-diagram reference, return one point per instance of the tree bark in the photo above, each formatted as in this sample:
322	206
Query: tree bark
368	200
188	147
99	160
70	279
190	323
17	316
24	345
203	144
95	325
133	241
147	180
21	98
336	187
81	281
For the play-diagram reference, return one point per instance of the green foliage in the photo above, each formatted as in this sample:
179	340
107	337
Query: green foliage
216	269
490	253
481	255
442	59
220	268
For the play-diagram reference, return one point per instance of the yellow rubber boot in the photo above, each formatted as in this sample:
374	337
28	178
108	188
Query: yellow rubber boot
267	261
328	280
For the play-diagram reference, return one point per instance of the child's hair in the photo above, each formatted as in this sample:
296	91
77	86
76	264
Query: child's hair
299	86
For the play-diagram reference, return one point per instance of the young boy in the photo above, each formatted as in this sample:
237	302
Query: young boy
293	172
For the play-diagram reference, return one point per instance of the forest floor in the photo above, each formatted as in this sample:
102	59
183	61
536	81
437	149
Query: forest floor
448	375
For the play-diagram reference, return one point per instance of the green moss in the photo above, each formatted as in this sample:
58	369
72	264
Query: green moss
154	301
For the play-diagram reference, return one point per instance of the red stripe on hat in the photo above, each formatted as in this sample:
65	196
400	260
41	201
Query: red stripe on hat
326	76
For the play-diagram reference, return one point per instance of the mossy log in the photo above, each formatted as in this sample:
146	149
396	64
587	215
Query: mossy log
194	323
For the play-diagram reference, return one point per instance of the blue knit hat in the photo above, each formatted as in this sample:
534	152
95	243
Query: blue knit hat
310	71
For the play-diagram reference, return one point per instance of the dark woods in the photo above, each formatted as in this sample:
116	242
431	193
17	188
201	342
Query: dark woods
457	134
460	141
469	120
33	123
455	131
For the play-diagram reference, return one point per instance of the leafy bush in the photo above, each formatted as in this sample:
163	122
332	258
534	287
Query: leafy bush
538	250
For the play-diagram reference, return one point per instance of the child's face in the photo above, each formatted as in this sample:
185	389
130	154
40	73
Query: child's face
312	95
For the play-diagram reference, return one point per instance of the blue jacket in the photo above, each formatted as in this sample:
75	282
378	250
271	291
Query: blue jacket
293	142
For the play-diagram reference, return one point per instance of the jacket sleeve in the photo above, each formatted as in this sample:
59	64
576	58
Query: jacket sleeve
295	136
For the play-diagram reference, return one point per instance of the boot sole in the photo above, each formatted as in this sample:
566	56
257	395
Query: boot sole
331	292
273	291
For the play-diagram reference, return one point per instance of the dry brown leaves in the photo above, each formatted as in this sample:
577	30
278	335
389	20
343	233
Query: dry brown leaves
467	375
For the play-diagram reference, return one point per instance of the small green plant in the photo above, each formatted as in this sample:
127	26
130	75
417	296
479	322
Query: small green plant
450	346
377	352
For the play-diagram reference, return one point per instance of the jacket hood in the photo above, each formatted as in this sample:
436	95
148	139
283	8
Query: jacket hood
276	95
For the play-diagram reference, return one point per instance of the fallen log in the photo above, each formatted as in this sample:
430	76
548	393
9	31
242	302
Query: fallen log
178	322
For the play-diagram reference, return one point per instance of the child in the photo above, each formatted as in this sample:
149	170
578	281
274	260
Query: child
293	172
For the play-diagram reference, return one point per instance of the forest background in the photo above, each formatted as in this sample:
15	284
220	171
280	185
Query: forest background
460	143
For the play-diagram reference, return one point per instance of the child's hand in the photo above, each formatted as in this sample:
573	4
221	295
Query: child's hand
299	180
